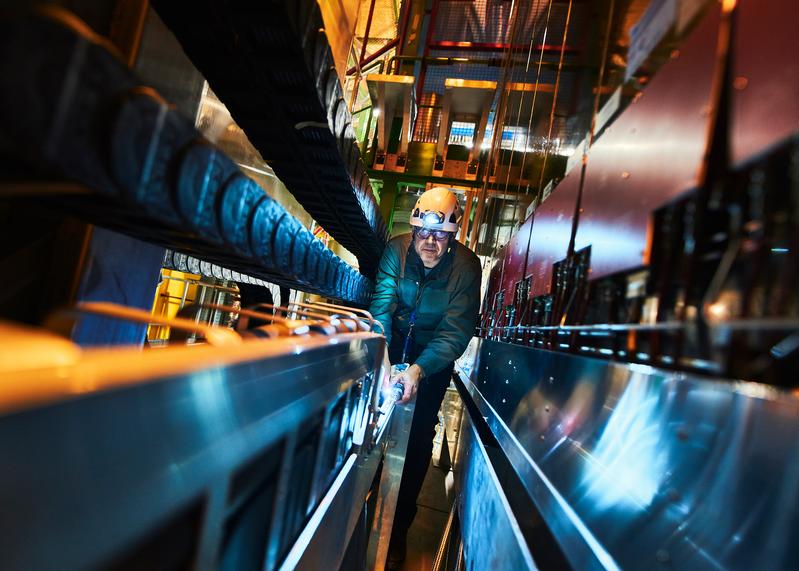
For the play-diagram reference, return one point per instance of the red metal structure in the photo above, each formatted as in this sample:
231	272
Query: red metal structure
651	154
552	231
765	106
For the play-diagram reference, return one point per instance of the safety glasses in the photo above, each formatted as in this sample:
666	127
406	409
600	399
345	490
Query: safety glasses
438	235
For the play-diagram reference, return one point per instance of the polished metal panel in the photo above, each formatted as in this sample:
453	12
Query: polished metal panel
395	445
651	154
112	447
552	231
635	467
764	106
490	533
323	541
515	259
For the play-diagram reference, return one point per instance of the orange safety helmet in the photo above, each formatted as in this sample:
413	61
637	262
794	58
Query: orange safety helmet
437	209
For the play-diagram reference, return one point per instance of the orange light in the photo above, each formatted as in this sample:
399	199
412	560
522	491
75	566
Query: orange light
718	311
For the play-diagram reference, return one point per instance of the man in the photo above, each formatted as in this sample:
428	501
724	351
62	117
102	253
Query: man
427	298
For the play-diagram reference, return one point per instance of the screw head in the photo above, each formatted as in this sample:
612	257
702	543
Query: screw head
740	83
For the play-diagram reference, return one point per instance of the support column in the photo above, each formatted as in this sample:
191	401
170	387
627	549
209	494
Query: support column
479	133
406	123
478	214
467	211
383	123
444	127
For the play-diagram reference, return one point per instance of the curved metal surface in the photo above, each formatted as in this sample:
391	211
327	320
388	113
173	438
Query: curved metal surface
320	545
635	467
481	501
396	429
112	452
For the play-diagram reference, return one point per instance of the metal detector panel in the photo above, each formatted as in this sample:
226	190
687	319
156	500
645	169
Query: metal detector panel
649	155
765	106
552	231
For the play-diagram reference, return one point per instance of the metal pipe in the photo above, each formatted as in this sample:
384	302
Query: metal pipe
775	323
431	22
185	294
496	137
359	64
393	43
365	143
127	27
403	31
440	558
366	33
248	312
350	319
467	212
497	47
217	336
350	310
285	310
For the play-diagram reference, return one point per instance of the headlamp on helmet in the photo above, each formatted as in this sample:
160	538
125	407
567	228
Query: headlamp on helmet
436	209
431	219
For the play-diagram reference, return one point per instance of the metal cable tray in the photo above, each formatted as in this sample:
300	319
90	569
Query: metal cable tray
636	467
253	450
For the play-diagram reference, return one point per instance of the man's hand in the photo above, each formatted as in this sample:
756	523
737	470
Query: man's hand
409	378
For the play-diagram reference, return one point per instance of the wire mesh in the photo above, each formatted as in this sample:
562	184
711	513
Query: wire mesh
382	28
428	119
544	26
476	21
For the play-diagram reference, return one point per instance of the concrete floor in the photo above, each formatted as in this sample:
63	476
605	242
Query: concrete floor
433	504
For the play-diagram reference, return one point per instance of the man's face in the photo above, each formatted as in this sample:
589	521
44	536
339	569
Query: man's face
429	249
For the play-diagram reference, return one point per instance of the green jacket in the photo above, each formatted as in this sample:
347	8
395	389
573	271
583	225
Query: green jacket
447	300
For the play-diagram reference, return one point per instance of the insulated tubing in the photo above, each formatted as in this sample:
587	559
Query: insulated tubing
77	112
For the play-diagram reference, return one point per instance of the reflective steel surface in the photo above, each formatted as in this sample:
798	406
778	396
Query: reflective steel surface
490	533
638	468
210	456
321	544
394	441
552	230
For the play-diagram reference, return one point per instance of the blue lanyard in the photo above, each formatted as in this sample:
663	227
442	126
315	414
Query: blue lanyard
411	321
412	318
